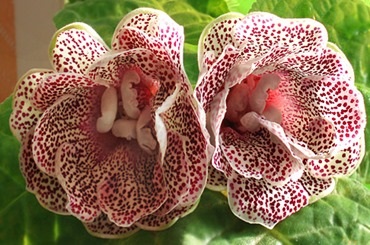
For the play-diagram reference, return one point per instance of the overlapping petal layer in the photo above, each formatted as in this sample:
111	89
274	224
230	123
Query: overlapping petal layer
283	113
78	159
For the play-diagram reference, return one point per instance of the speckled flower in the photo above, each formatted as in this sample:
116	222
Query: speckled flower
114	136
282	110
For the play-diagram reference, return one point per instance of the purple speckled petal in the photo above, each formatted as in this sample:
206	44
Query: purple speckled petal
104	228
256	201
158	31
75	47
135	185
343	163
260	155
47	189
25	115
316	187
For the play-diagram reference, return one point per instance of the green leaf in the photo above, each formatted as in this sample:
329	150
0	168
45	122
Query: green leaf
5	110
241	6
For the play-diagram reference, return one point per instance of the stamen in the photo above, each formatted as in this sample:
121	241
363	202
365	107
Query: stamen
144	134
124	128
129	95
258	97
109	101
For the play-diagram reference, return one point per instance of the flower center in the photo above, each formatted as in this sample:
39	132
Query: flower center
255	94
125	111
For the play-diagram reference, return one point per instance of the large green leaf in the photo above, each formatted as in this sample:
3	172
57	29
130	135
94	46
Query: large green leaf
341	218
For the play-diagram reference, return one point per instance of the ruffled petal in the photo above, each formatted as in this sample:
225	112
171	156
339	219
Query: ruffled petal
260	155
47	189
258	202
65	121
176	172
341	164
53	86
156	223
67	146
215	37
328	62
109	69
182	119
270	38
178	119
104	228
317	188
135	185
323	114
217	180
213	81
77	170
75	47
161	32
24	115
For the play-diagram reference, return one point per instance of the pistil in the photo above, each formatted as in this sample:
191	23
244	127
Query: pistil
144	134
129	94
130	123
125	128
108	108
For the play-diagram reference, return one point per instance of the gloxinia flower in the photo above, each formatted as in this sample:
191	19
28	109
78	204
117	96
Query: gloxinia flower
282	110
114	137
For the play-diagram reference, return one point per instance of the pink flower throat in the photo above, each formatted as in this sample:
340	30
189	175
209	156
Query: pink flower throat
126	111
255	94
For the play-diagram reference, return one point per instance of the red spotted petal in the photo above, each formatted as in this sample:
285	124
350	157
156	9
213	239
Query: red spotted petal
183	119
260	155
80	170
217	180
215	37
25	115
110	68
213	81
256	201
322	113
341	164
65	121
328	62
135	186
271	38
47	189
176	172
54	86
104	228
152	24
75	47
155	223
316	187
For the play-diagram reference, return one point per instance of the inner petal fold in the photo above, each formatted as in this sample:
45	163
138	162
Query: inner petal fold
258	97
